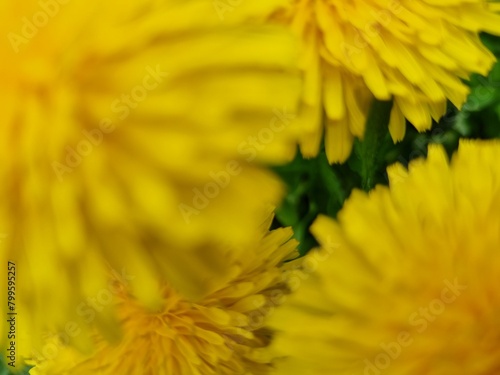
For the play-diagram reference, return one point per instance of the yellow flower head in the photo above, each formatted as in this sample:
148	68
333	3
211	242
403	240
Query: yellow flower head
221	335
413	51
412	284
124	141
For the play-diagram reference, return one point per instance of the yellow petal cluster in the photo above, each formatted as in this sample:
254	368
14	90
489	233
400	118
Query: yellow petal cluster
124	143
417	52
223	334
411	287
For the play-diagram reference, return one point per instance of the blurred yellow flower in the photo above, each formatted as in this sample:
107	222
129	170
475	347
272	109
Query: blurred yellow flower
221	335
416	52
125	143
412	285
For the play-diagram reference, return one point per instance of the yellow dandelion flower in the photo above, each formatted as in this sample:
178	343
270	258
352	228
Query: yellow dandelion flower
222	334
122	127
415	52
411	285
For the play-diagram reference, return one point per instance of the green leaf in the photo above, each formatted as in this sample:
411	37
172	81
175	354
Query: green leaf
368	151
330	179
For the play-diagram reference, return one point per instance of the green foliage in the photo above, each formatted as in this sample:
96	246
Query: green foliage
480	115
369	153
314	187
5	370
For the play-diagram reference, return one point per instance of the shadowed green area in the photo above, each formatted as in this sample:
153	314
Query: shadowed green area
6	370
